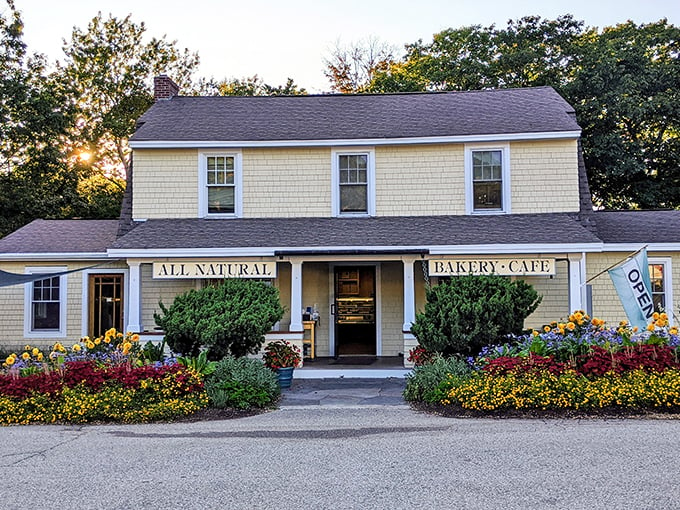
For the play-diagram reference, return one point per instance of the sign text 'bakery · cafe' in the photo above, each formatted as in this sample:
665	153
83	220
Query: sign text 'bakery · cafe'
500	266
214	269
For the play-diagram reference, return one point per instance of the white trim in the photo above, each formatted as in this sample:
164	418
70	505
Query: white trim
378	309
667	263
269	251
505	183
228	144
369	152
54	256
632	247
63	300
203	184
85	296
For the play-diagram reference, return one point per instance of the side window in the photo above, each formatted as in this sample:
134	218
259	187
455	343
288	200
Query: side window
487	180
660	278
353	183
45	305
220	185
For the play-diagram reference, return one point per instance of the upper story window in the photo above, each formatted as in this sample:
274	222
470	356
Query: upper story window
45	305
353	183
220	184
487	179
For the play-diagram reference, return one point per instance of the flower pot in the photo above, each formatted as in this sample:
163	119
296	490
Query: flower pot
285	376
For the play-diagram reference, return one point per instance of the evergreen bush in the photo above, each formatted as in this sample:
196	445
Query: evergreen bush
466	313
422	383
228	319
242	383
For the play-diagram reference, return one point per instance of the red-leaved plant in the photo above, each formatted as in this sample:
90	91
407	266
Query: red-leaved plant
281	354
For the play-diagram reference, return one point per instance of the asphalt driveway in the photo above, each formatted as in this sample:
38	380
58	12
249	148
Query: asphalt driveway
359	457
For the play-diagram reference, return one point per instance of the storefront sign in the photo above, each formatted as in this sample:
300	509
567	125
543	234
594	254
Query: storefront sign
214	269
499	266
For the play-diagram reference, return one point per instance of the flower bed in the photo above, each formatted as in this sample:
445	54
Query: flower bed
104	379
579	364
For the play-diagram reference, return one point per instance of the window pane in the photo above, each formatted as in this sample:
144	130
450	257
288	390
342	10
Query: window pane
229	177
343	163
221	200
496	173
362	176
211	163
487	195
362	162
495	158
229	163
45	316
353	198
211	177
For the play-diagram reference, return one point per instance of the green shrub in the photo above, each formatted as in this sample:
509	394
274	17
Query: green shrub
469	312
422	383
229	319
242	383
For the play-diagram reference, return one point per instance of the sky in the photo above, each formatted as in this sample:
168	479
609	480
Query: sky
277	39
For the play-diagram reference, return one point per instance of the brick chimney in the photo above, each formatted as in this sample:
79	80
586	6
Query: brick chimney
164	88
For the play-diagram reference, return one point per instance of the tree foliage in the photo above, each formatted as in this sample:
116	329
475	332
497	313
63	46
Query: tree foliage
109	70
624	83
250	86
35	180
229	319
468	312
351	68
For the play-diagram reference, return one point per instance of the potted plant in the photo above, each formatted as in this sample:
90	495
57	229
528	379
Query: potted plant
282	357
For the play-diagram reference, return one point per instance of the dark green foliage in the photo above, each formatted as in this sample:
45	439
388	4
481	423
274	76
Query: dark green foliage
242	383
469	312
229	319
422	383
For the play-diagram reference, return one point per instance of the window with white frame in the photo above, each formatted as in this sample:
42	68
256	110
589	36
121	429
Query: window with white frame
45	305
487	179
353	183
220	184
660	278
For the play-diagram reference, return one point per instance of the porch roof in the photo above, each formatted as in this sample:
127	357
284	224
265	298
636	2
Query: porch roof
649	227
336	234
61	236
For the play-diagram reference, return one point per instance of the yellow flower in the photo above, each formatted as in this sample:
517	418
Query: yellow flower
89	344
673	330
571	326
27	347
26	356
10	360
635	329
40	356
107	339
76	348
111	332
97	341
655	316
135	337
35	351
663	316
546	329
650	327
126	347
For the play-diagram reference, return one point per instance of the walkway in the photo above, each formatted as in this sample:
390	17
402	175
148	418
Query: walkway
339	392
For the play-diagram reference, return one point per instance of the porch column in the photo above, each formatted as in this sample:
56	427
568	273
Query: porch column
409	294
134	316
296	295
576	282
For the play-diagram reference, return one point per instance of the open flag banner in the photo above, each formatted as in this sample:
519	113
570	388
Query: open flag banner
631	279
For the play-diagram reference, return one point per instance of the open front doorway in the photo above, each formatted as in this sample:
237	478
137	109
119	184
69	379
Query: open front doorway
355	311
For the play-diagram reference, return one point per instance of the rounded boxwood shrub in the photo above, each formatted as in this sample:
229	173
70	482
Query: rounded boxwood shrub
242	383
228	319
466	313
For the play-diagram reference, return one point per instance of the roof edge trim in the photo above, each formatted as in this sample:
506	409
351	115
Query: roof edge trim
207	144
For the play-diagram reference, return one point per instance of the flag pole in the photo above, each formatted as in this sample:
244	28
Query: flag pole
616	264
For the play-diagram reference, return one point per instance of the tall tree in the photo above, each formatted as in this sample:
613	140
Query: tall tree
627	97
351	68
35	180
109	70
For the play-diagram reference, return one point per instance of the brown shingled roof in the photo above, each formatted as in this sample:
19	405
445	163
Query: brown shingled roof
347	117
61	236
